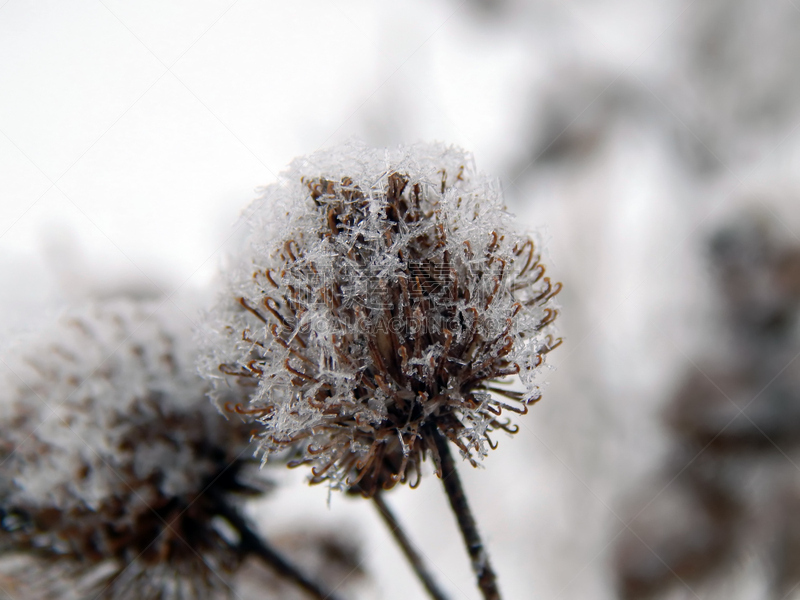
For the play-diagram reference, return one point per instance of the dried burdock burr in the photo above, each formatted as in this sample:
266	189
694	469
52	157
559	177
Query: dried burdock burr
383	303
117	478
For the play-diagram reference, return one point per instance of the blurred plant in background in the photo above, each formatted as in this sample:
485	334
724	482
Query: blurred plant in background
118	479
730	484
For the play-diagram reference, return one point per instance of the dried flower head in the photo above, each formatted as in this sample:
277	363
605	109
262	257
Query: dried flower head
113	467
378	295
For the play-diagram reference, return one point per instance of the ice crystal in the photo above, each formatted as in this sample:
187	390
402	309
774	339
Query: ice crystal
113	466
380	294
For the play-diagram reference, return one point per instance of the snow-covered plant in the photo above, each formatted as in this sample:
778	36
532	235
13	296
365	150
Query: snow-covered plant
382	303
381	295
115	470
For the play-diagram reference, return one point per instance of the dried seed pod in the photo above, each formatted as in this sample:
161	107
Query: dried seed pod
379	295
113	462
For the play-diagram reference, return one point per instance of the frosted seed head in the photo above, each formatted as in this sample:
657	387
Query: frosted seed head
380	294
106	437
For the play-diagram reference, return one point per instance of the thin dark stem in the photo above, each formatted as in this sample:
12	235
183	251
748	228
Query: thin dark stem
254	544
417	563
487	580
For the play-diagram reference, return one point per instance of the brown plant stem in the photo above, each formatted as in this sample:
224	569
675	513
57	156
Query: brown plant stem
252	543
417	562
487	580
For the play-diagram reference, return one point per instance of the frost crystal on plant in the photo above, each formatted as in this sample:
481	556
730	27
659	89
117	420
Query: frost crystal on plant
112	465
380	294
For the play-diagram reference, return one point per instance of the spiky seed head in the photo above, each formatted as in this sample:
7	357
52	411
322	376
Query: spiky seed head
112	461
380	295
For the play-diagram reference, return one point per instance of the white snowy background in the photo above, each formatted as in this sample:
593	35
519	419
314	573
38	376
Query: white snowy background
132	134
